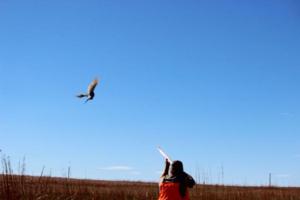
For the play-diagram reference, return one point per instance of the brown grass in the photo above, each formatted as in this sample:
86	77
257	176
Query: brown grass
44	187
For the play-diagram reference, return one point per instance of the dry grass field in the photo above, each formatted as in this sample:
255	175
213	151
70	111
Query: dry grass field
30	187
45	187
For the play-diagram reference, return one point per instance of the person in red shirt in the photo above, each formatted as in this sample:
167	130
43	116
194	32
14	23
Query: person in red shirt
174	183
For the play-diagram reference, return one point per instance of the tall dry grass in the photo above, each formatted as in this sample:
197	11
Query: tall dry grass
45	187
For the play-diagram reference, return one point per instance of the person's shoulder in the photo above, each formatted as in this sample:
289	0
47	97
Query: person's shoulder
189	180
168	178
163	178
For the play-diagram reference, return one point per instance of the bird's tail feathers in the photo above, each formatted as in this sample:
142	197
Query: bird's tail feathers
82	95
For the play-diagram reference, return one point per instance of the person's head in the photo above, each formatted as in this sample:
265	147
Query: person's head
176	168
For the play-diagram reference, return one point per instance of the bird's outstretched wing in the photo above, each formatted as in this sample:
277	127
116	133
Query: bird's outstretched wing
93	85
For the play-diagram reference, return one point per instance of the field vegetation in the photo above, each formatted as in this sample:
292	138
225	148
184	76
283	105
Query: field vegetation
24	187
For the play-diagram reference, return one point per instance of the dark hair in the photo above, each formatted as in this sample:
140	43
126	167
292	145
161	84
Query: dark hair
176	168
178	173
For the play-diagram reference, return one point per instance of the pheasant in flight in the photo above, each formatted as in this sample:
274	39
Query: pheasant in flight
90	92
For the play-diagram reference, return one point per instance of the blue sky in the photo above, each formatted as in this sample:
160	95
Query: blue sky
215	83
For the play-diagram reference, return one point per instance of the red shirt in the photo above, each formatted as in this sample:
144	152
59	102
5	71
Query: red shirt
170	191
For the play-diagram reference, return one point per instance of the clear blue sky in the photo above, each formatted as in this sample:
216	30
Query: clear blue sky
215	83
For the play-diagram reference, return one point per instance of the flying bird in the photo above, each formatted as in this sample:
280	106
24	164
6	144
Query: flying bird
90	92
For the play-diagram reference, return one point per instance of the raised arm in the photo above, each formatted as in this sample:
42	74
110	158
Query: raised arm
166	170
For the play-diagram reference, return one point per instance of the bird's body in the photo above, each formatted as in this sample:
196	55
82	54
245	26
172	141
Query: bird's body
90	92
